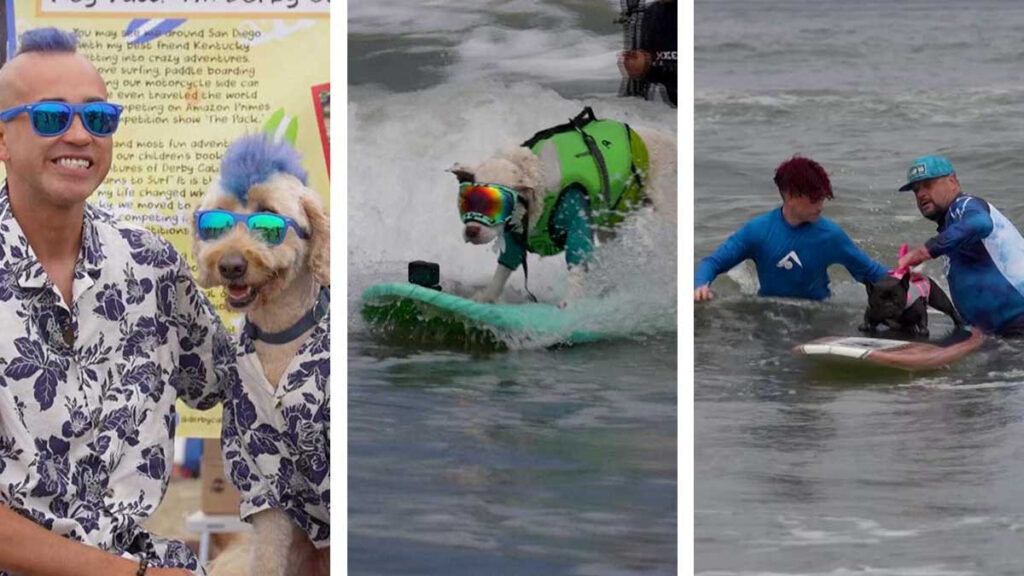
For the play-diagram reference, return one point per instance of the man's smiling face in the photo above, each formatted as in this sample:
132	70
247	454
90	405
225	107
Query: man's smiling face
59	170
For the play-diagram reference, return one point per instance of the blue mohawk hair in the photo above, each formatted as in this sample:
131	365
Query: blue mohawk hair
254	159
47	40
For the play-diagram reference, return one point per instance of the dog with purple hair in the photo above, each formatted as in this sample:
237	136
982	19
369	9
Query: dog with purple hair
263	235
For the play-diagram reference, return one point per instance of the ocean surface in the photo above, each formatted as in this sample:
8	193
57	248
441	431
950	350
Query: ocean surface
526	460
804	469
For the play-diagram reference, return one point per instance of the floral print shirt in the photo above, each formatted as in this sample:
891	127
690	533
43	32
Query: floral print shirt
276	441
87	392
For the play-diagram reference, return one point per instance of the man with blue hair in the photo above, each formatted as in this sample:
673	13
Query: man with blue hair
103	329
985	250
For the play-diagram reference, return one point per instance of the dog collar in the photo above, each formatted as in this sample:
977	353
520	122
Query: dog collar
308	320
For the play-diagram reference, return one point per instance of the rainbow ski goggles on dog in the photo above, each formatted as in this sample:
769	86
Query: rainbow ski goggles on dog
54	118
489	204
268	227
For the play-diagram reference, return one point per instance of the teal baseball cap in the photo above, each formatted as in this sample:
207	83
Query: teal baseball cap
926	168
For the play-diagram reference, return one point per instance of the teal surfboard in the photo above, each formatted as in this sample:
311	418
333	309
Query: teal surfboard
415	313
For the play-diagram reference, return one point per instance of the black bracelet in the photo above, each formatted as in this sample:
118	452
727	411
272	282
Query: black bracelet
143	565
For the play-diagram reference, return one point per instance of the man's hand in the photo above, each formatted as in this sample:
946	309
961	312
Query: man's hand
636	63
913	258
703	294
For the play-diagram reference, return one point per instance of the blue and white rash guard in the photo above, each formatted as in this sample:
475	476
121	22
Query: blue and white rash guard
792	261
986	263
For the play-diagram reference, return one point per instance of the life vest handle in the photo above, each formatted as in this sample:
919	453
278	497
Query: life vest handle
585	117
901	271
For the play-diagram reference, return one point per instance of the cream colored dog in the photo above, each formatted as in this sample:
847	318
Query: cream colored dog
279	287
532	176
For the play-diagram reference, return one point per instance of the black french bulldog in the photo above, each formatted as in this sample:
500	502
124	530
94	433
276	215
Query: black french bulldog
887	304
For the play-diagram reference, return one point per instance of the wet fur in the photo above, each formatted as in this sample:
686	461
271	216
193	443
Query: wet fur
520	169
289	278
887	306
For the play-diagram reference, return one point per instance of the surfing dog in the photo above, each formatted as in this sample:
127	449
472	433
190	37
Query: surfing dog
900	301
516	194
263	235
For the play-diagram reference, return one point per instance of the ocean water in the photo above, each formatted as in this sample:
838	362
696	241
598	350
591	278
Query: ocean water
802	469
527	460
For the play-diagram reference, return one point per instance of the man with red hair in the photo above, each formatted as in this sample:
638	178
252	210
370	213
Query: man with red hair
793	245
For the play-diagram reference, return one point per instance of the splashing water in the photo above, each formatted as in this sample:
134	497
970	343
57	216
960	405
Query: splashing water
402	201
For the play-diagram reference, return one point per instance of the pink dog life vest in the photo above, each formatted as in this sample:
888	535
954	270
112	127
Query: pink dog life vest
920	286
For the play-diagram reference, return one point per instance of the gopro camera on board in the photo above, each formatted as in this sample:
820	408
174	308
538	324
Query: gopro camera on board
427	274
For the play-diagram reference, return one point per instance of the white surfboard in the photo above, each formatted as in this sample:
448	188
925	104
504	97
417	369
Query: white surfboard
893	353
852	347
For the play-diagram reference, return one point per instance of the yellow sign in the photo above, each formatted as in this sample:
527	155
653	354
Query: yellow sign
192	77
198	423
184	8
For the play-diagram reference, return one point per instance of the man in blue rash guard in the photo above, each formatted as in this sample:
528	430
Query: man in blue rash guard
985	251
793	245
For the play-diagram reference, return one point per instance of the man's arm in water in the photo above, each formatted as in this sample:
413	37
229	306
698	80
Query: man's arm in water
734	250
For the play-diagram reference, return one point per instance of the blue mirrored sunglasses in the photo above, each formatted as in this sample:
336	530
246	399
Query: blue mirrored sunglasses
266	226
54	118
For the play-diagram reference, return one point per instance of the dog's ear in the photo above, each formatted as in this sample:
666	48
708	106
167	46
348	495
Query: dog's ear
905	281
320	237
463	173
524	192
870	288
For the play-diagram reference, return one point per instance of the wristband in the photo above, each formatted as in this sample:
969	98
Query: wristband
143	565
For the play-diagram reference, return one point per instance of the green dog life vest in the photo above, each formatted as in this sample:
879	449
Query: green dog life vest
614	177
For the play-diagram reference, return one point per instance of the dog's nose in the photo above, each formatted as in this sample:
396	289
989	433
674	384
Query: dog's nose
472	232
232	266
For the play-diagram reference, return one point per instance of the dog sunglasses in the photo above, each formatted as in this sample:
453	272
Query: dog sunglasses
268	227
490	204
54	118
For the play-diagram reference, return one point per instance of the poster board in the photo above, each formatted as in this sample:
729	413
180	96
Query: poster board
192	76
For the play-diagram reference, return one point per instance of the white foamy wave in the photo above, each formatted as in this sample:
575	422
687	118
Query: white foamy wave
385	17
960	386
746	276
630	289
494	51
829	531
955	106
931	570
402	200
468	40
409	17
